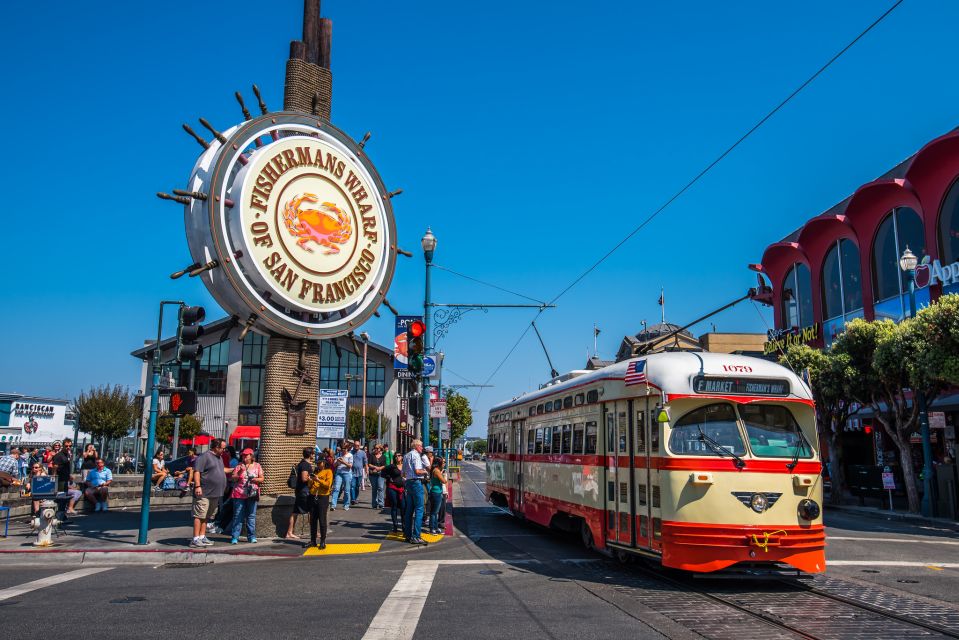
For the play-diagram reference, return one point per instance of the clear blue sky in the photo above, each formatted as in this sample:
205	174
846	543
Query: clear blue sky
530	136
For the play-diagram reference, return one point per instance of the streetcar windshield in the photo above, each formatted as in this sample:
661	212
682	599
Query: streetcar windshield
773	432
718	423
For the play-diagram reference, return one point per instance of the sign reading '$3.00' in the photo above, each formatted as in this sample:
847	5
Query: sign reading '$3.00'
311	223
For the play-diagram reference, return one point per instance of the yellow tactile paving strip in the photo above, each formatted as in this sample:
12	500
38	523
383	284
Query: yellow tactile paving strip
428	537
342	549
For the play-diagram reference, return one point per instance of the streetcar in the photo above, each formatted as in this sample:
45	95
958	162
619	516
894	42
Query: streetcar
705	461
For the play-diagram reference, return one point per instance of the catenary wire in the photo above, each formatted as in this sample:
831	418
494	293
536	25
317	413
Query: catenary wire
700	175
488	284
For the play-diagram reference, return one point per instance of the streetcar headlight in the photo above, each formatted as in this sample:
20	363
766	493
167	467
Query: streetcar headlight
758	502
808	509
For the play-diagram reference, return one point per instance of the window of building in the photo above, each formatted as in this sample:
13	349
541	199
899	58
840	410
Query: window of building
252	376
841	287
345	371
949	229
797	297
901	228
210	375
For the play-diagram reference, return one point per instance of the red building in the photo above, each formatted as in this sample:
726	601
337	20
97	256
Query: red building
844	263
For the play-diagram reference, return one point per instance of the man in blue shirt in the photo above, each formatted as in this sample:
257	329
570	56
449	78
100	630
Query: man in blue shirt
413	472
98	489
359	466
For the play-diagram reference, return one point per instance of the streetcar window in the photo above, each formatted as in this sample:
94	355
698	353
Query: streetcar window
568	402
557	439
641	432
592	396
549	406
567	438
717	422
611	432
654	428
532	411
623	424
590	438
773	432
578	438
530	436
539	409
579	399
539	441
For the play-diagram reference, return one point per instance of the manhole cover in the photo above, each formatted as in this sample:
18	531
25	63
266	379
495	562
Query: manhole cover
908	581
128	600
489	572
870	571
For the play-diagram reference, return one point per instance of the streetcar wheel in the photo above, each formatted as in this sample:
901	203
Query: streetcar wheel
622	557
586	535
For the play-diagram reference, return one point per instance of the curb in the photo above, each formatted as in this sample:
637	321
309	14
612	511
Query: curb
896	516
149	557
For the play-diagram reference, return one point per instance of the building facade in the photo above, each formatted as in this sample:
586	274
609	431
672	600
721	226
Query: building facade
33	421
229	378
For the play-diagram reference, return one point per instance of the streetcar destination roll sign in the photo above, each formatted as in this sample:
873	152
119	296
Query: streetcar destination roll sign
740	386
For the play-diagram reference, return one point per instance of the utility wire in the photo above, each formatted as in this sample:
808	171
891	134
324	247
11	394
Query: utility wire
725	153
699	175
488	284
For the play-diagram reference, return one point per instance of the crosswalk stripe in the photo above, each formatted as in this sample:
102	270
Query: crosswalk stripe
13	592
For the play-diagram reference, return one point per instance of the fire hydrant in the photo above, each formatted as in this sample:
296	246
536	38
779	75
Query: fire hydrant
44	523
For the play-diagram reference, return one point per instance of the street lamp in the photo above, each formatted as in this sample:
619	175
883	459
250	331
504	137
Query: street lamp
908	263
429	245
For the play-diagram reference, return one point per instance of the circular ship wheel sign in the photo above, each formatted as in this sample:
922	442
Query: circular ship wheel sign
299	224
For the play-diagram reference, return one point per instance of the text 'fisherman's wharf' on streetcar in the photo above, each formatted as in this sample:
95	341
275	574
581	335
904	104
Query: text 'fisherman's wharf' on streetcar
703	460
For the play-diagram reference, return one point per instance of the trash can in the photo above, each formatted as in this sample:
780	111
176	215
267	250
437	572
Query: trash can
946	483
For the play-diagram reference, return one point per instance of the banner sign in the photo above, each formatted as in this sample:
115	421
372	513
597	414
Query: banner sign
331	413
437	408
400	362
781	339
404	415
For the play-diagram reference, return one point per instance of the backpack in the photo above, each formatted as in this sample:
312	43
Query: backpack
291	481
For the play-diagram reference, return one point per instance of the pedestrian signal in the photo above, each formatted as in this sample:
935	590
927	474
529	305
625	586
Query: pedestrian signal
183	403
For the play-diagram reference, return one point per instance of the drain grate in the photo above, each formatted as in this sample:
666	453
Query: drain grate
128	600
490	572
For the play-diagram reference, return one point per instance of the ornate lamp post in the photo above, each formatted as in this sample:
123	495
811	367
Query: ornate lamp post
908	263
429	245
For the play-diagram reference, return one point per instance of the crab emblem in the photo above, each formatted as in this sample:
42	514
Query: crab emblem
327	226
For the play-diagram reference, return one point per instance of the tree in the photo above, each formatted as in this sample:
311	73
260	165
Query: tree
190	427
830	375
892	361
354	424
459	414
105	412
478	446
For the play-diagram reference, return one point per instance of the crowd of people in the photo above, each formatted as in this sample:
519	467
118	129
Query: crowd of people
21	466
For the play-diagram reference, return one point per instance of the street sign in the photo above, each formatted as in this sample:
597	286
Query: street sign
331	413
445	431
183	403
429	366
435	373
888	481
400	352
438	408
937	420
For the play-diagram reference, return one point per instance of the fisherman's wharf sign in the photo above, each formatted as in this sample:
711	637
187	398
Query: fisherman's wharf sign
298	224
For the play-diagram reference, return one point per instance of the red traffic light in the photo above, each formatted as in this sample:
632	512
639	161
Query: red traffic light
417	328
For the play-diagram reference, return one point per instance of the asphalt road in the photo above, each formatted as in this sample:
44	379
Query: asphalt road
498	578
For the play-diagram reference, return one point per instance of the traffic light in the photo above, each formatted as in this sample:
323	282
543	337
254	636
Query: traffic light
188	332
415	335
183	403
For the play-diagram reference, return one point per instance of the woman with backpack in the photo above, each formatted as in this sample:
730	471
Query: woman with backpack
247	477
299	482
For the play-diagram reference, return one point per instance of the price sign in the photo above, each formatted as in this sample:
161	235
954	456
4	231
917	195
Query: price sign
888	481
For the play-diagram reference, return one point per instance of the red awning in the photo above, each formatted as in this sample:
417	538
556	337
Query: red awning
246	432
201	440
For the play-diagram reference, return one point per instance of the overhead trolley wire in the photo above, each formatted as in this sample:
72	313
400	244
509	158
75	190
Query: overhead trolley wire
488	284
702	173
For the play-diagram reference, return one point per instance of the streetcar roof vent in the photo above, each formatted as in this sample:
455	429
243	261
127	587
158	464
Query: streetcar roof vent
564	377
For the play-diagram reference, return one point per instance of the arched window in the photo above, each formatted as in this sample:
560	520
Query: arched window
841	287
949	227
900	229
797	297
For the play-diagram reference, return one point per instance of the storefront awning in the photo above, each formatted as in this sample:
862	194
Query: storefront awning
246	432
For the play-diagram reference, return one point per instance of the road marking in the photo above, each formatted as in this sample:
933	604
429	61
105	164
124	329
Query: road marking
864	539
428	537
400	612
890	563
13	592
342	549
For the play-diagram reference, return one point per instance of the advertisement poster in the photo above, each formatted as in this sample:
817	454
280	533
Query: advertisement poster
400	362
331	413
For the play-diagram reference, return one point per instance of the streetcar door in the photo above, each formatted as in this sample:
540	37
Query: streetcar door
517	447
644	468
619	481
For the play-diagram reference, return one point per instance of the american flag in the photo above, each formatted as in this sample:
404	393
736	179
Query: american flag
635	373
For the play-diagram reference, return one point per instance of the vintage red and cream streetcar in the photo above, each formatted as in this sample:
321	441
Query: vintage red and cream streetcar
703	460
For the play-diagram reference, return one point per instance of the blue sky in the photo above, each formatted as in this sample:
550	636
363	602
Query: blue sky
530	136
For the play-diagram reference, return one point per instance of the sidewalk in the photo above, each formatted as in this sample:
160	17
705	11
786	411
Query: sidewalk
896	516
111	538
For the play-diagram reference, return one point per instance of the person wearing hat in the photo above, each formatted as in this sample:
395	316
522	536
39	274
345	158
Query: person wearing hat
247	478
